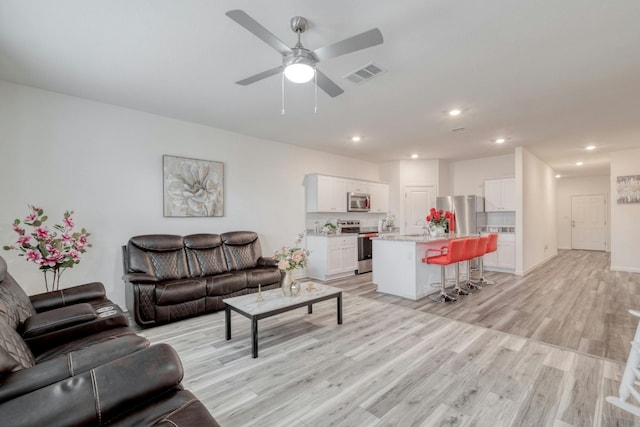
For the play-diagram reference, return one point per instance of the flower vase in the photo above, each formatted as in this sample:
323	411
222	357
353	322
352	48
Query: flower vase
290	286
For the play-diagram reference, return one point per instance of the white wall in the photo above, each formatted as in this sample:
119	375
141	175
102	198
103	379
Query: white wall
625	218
105	162
536	229
467	176
579	186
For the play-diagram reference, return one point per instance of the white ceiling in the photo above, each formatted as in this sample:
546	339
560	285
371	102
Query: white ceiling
553	76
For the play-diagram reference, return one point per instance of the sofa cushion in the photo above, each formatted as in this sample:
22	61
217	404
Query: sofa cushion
160	255
179	291
13	344
15	305
262	276
205	254
241	249
225	284
7	363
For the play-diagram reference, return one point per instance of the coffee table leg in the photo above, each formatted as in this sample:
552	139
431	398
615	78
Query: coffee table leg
254	336
310	309
227	321
339	309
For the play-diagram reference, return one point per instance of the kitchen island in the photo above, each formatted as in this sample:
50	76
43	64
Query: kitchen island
398	268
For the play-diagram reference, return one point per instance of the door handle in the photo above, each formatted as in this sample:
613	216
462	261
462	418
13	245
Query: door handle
573	224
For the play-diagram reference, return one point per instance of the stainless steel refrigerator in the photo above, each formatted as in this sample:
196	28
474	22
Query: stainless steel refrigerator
469	214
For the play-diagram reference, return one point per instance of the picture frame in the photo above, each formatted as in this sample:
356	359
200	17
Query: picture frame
628	188
192	187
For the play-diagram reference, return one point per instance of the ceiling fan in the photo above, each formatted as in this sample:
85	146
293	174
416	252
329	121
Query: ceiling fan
298	62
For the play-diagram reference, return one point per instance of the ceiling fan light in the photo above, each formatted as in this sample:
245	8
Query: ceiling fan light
299	72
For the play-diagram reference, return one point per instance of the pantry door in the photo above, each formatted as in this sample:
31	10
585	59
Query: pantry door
418	199
588	222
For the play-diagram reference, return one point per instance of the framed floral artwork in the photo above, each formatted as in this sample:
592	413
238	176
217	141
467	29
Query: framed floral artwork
628	189
192	187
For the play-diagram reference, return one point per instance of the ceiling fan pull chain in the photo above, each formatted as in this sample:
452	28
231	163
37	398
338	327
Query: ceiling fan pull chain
282	94
315	79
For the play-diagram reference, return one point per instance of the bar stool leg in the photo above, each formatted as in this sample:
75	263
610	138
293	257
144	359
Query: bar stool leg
442	296
470	285
457	290
482	280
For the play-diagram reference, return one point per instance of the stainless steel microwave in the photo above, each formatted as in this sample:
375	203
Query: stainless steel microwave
358	202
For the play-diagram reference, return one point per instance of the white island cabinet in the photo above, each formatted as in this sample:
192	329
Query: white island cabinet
398	268
332	257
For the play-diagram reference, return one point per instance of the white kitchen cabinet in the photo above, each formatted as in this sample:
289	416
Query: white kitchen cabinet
504	258
379	197
325	194
500	195
355	186
332	256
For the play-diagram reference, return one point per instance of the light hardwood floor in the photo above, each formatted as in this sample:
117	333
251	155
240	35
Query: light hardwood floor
526	352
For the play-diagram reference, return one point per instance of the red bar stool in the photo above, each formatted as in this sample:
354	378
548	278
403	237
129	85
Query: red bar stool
480	251
447	255
492	246
468	253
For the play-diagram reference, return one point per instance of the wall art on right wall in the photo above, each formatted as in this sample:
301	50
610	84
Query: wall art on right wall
628	189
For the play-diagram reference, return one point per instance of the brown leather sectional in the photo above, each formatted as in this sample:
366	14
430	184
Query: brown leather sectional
169	277
69	358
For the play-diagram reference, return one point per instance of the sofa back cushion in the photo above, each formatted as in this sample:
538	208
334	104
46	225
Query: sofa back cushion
15	305
205	254
12	344
241	249
160	255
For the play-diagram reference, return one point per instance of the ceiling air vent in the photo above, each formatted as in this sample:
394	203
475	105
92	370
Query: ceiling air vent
365	73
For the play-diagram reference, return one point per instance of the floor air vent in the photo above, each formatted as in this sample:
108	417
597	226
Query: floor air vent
365	73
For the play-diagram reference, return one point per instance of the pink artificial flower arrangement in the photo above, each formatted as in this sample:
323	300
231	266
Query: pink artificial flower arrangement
438	217
290	258
45	248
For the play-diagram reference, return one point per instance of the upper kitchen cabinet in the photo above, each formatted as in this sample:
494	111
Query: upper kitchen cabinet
500	195
379	197
325	194
354	186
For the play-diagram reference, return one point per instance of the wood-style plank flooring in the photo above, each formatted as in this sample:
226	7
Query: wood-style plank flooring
543	350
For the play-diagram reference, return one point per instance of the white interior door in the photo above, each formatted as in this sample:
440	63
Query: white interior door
418	199
588	222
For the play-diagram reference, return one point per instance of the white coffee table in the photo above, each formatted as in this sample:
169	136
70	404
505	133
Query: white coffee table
273	302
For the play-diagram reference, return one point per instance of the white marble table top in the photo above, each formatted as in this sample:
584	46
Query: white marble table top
421	238
274	300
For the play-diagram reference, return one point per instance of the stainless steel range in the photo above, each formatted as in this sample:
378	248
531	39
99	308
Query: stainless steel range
365	247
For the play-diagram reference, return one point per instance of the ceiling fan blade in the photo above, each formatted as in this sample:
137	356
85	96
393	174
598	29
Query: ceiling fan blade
260	76
258	30
327	85
352	44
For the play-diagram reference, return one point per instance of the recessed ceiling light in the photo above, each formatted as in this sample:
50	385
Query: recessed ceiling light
590	147
500	140
355	138
558	176
455	112
414	156
579	163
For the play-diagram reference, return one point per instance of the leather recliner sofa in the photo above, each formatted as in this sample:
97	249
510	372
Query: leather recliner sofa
78	363
169	277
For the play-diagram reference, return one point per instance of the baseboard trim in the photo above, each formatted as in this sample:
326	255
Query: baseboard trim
538	265
624	269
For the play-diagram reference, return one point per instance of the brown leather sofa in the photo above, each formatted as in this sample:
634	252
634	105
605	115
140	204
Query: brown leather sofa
68	358
169	277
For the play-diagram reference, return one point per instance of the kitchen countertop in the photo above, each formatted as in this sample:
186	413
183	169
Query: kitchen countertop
420	238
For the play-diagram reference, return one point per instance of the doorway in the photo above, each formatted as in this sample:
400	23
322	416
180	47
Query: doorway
589	222
418	199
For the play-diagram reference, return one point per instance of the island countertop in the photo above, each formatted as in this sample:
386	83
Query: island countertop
421	238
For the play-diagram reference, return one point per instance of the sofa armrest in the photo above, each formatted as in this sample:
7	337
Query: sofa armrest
267	262
142	278
100	394
60	318
73	363
69	296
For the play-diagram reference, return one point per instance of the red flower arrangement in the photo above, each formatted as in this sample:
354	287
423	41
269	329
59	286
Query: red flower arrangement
438	218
